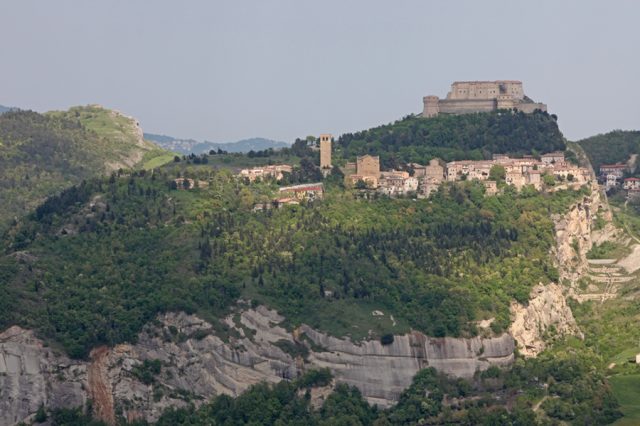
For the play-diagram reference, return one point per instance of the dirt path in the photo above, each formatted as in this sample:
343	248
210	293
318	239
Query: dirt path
536	407
99	386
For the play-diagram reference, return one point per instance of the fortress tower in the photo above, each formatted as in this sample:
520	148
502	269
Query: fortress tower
325	151
368	165
481	96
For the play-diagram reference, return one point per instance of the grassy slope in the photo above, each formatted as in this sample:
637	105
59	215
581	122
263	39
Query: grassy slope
122	143
627	391
40	154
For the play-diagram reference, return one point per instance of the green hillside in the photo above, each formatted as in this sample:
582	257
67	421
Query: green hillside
455	137
613	147
437	265
41	154
96	262
135	246
416	139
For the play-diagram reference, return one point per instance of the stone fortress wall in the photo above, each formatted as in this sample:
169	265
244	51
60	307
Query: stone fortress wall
481	96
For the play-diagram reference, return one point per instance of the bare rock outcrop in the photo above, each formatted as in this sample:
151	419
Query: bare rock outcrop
382	372
32	375
573	240
195	364
546	316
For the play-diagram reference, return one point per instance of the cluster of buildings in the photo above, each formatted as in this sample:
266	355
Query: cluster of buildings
612	176
293	195
520	171
426	179
188	183
263	172
423	180
481	96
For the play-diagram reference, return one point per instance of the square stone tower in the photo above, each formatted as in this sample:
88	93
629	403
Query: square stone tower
368	165
325	151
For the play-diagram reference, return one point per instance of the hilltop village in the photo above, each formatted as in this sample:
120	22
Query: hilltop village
548	170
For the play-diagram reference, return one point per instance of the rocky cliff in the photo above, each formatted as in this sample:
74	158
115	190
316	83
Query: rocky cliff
545	317
574	235
32	375
195	364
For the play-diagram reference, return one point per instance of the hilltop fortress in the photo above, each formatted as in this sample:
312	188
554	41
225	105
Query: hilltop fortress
481	96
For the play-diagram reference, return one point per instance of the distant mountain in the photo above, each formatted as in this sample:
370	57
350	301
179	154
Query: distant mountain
4	109
188	146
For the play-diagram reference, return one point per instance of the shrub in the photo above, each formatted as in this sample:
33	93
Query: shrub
386	339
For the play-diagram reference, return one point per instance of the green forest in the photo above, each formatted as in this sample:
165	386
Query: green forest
610	148
132	246
455	137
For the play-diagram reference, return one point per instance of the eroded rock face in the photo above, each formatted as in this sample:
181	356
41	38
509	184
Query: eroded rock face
32	375
573	239
382	372
197	365
546	316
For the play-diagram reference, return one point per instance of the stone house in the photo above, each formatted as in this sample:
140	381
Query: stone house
516	178
371	181
368	165
184	183
552	158
490	187
613	169
271	171
309	192
631	183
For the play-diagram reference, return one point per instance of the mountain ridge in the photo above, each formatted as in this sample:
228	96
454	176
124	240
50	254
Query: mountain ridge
192	146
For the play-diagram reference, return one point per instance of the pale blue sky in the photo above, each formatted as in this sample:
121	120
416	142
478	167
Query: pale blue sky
279	69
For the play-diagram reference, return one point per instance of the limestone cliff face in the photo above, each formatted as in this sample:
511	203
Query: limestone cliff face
574	234
546	316
573	238
32	375
197	365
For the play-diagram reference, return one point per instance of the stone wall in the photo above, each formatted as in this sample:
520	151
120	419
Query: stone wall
485	90
368	165
480	96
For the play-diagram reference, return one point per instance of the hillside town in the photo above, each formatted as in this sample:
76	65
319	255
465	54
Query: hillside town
612	177
422	180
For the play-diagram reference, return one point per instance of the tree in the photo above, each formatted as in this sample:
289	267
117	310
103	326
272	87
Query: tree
360	184
41	415
497	173
548	179
246	198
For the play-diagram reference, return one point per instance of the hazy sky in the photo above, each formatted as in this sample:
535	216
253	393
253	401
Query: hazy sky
228	70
